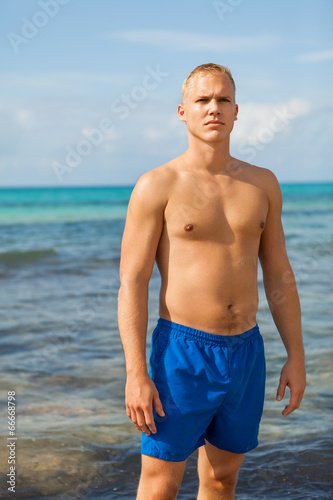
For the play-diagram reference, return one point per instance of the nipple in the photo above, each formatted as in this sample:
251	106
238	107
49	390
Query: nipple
188	227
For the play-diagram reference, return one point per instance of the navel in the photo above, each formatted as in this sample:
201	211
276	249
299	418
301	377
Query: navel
262	224
188	227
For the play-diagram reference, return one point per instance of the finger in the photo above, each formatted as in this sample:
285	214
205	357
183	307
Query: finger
295	401
281	390
141	422
138	419
289	409
132	416
158	406
149	417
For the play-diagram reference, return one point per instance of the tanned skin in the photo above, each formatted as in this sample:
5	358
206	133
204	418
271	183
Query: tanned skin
206	218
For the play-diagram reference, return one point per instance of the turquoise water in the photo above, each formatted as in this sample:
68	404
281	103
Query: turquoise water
61	353
62	205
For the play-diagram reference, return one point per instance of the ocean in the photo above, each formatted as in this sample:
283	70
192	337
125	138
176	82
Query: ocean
62	360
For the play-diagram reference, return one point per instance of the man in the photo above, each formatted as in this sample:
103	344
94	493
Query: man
206	218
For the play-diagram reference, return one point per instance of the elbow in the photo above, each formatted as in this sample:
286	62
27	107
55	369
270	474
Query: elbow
283	276
135	280
132	290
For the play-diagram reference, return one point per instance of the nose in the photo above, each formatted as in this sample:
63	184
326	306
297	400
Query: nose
214	107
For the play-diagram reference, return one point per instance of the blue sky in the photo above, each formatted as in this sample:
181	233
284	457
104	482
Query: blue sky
89	88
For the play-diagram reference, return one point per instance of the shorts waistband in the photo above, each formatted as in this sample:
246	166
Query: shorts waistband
209	338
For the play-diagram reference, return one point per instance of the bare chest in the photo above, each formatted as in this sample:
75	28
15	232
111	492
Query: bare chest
209	212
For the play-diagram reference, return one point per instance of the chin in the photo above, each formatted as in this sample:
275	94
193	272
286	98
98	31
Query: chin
217	137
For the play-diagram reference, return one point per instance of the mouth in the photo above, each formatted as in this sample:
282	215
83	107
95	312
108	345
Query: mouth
214	122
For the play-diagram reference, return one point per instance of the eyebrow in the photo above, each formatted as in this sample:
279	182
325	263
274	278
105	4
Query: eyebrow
201	96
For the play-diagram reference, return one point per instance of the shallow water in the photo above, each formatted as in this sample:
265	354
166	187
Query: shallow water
61	352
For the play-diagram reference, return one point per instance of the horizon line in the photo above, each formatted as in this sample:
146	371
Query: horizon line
82	186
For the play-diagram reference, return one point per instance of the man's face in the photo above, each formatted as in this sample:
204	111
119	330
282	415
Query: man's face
209	109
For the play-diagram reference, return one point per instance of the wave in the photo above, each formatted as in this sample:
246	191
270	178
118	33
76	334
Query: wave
22	256
60	216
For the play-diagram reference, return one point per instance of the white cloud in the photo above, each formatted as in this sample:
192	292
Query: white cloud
188	42
15	117
148	138
63	80
26	118
166	127
152	134
256	119
259	124
323	55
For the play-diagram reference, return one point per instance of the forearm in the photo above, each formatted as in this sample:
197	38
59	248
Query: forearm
285	307
141	393
132	322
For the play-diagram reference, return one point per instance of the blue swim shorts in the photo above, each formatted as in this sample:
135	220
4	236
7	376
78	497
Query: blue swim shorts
211	388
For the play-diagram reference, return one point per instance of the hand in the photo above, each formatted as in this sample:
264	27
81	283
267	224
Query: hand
141	395
292	376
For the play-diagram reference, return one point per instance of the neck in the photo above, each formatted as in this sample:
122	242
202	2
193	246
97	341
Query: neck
212	157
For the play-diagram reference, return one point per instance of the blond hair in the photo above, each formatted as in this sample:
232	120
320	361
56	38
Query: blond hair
207	68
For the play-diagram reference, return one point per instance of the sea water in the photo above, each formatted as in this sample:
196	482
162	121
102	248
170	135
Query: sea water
61	353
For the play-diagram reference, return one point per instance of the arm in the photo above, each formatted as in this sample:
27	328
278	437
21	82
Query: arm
282	297
142	232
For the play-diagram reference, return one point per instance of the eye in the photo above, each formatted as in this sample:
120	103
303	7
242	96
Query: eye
203	99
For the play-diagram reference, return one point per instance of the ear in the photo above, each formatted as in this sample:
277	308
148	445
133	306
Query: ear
236	112
181	113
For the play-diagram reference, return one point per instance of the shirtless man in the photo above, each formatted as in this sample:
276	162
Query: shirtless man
205	217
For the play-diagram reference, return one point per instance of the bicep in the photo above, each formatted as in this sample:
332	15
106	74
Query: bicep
272	251
143	228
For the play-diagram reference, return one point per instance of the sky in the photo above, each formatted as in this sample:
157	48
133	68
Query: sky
89	88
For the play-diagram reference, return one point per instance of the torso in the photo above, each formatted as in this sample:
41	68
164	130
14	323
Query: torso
208	251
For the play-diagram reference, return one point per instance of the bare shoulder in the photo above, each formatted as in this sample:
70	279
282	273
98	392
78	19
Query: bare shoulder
153	187
264	178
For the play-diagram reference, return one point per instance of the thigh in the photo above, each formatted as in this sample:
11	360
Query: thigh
188	376
217	464
235	426
160	478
